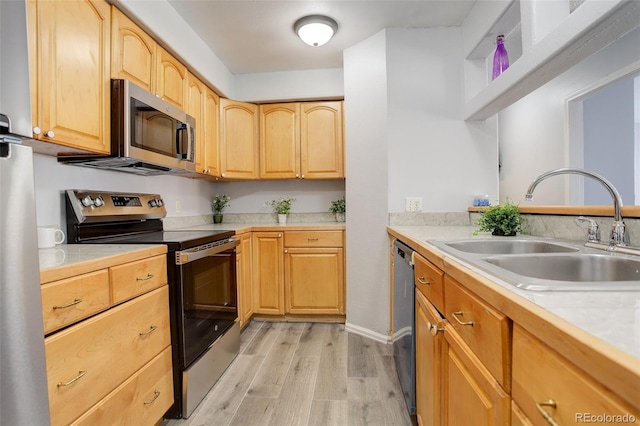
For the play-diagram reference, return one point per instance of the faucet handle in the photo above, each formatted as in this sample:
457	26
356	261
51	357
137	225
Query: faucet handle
593	231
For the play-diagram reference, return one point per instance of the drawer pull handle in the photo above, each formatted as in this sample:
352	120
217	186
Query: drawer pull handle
68	305
149	331
148	277
422	280
550	403
455	316
312	239
72	381
156	394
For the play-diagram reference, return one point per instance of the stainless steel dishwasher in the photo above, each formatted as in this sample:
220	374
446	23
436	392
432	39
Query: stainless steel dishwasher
403	321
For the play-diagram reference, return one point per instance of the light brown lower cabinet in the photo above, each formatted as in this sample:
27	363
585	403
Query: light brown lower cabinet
548	388
430	346
472	396
298	272
88	360
243	274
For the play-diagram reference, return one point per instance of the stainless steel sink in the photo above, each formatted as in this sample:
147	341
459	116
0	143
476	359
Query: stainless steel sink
581	271
509	247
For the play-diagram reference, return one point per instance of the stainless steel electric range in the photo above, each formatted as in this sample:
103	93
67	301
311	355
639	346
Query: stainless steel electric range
201	270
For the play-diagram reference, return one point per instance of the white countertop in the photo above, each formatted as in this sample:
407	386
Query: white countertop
68	254
612	316
265	225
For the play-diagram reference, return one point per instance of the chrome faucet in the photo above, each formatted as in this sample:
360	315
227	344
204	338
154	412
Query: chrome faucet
617	237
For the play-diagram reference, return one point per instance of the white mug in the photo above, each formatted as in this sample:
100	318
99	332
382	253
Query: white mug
49	237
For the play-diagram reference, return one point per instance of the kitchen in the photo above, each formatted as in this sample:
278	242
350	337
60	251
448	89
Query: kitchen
391	65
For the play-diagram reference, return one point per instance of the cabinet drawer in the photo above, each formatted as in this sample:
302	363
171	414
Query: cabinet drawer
313	239
485	330
88	360
554	378
67	301
430	281
141	400
135	278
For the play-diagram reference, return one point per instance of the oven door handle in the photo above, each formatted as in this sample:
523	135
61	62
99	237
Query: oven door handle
208	250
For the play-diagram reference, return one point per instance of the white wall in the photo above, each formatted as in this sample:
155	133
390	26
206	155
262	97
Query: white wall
406	137
365	109
533	131
291	85
52	179
433	153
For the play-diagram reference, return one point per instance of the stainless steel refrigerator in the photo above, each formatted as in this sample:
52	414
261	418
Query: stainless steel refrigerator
23	376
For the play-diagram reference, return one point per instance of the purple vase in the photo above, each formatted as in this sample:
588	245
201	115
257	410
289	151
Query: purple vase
500	58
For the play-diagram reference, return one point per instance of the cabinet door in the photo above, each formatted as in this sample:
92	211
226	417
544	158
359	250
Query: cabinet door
576	396
171	84
238	139
196	96
321	140
243	271
429	353
211	134
280	141
472	397
268	281
314	280
72	85
133	52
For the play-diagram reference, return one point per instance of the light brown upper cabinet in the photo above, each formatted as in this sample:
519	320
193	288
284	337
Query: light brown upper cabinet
171	83
280	141
70	51
238	140
133	52
196	97
321	140
211	156
301	140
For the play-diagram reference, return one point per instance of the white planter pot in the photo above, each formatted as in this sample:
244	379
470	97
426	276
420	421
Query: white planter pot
340	217
282	218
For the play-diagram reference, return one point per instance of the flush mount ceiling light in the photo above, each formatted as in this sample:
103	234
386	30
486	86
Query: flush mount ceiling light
315	30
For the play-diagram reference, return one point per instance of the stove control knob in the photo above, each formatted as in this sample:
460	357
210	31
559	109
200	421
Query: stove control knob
98	202
160	202
152	203
87	201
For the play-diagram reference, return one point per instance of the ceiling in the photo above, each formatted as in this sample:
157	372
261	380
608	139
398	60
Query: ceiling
257	36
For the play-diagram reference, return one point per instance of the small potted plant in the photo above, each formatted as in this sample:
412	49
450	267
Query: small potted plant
218	204
282	207
502	219
338	208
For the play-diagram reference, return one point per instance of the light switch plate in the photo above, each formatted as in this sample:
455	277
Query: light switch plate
413	204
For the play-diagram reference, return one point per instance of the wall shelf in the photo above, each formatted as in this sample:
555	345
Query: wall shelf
538	53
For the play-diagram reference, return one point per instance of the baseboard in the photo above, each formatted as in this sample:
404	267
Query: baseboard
365	332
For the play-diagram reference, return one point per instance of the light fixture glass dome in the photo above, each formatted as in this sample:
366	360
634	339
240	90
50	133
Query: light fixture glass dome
315	30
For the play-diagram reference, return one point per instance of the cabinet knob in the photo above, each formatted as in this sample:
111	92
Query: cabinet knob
297	175
279	235
302	176
433	328
37	130
222	174
50	134
286	251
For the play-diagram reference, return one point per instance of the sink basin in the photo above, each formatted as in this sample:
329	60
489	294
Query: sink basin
509	247
574	271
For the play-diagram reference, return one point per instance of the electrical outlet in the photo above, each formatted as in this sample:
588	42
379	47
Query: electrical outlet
178	206
413	204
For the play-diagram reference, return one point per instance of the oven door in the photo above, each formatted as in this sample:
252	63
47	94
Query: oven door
207	279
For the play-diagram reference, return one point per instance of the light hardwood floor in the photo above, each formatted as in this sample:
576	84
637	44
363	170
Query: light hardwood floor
304	374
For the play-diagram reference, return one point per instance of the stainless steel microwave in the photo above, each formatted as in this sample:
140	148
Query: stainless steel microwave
149	136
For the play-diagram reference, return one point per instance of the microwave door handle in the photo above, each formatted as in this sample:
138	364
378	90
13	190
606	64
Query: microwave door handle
179	132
